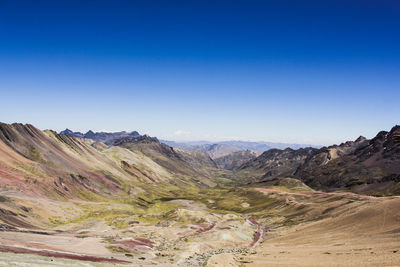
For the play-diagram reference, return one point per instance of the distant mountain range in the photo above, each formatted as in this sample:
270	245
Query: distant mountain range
105	137
213	149
238	145
224	148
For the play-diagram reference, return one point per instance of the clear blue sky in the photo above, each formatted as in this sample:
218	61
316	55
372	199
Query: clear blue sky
292	71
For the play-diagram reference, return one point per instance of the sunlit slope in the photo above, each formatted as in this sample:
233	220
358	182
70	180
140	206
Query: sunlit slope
54	165
186	166
361	233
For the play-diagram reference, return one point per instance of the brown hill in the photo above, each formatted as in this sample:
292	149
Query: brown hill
362	165
369	166
275	163
54	165
235	160
167	157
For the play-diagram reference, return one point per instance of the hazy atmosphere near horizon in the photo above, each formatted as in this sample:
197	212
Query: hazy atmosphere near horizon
318	72
199	133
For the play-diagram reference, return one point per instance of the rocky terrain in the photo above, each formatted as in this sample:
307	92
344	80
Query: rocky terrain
135	201
368	166
371	166
104	137
275	163
236	159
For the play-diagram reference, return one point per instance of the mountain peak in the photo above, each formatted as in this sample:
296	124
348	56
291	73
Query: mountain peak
360	139
66	131
395	129
105	137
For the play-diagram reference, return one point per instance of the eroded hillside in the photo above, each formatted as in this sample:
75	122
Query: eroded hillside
73	201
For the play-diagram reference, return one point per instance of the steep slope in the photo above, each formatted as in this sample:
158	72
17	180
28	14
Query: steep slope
362	165
58	166
167	157
198	160
105	137
274	163
236	159
52	170
36	161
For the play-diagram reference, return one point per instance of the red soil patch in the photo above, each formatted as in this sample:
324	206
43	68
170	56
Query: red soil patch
34	245
145	241
46	253
205	228
200	228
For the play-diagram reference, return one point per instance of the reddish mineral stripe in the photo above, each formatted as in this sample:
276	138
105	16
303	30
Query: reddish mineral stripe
54	254
205	229
257	236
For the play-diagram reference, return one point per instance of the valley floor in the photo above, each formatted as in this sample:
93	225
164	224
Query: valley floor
266	226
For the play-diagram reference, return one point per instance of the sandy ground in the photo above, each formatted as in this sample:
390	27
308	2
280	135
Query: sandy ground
367	236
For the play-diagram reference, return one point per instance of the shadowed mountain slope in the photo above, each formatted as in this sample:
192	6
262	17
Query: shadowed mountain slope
369	166
363	165
275	163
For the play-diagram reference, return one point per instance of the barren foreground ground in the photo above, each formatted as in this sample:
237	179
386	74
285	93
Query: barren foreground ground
267	226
